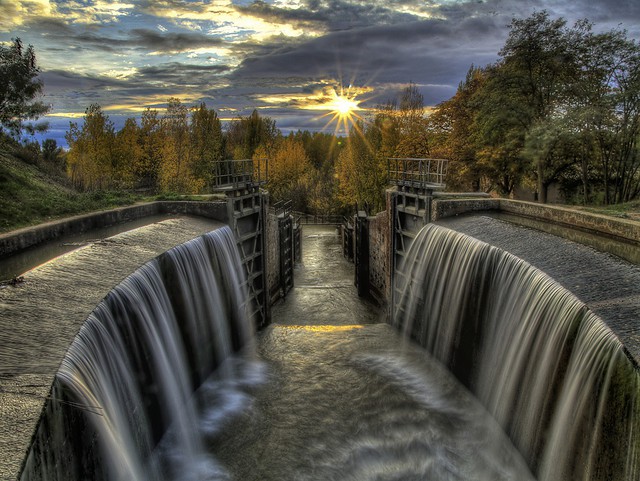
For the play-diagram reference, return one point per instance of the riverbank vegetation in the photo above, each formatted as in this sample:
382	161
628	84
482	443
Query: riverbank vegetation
559	108
34	188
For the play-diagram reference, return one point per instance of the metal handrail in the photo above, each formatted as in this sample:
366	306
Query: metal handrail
417	172
323	219
234	174
282	208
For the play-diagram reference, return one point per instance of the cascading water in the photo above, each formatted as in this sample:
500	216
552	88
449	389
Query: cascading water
135	393
550	371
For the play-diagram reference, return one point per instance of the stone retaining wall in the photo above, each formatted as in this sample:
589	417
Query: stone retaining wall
16	241
623	228
379	256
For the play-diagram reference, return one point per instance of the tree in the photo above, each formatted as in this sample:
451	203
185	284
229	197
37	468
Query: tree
207	143
361	171
245	134
147	169
90	161
537	61
176	174
128	153
19	86
452	126
414	138
53	158
611	100
290	173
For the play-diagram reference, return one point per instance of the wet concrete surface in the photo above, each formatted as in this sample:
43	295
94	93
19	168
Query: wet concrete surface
607	284
324	292
40	316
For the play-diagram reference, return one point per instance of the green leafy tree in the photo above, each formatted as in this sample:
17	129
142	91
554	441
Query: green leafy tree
207	143
246	134
176	174
524	88
53	157
19	87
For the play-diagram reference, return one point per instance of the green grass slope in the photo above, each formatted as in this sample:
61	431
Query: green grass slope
31	196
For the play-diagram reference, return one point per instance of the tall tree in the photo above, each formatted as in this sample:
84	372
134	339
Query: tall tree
128	153
207	143
452	128
90	161
525	87
19	87
414	136
245	134
147	170
176	173
361	172
290	173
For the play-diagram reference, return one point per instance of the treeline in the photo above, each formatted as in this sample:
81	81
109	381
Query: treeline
561	106
399	128
175	151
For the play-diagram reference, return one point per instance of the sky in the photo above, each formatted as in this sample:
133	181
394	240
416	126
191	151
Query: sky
287	58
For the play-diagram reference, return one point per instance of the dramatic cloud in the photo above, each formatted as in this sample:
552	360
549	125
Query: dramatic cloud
284	57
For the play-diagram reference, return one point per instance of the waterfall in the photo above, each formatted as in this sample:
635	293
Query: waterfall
550	371
125	404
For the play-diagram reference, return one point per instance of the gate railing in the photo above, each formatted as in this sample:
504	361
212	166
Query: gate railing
322	219
235	174
418	173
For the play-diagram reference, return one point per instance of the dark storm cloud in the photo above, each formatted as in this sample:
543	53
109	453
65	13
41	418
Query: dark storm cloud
143	81
58	80
176	75
332	14
97	37
431	51
171	42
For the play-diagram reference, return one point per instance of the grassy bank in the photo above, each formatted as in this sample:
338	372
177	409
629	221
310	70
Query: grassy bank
629	210
30	196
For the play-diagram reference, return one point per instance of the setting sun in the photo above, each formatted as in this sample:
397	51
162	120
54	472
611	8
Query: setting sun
343	105
342	108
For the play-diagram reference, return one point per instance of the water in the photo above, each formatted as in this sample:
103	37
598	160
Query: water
551	373
356	402
515	379
19	263
143	380
347	398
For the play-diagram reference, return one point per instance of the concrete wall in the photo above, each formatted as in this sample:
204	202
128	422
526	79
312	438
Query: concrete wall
273	257
16	241
622	228
380	229
380	256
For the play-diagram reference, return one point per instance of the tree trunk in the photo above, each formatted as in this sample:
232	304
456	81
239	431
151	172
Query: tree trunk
542	185
585	180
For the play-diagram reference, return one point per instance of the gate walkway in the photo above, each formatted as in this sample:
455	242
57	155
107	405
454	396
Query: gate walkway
324	291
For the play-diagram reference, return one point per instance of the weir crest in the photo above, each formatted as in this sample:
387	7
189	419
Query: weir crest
550	371
134	395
